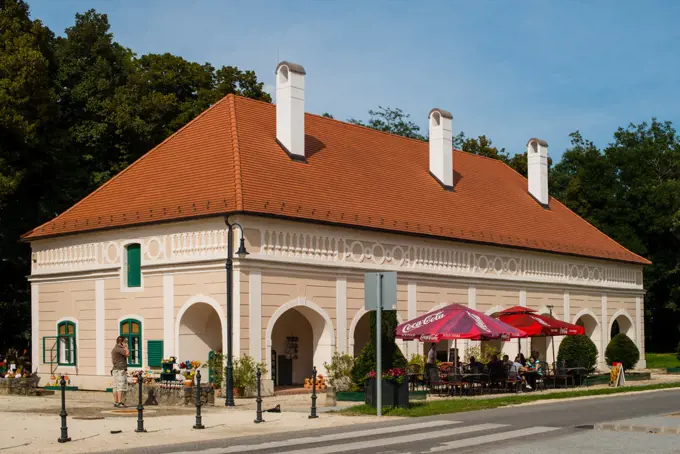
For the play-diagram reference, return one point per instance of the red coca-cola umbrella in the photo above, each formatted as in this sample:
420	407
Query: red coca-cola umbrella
534	324
456	321
537	325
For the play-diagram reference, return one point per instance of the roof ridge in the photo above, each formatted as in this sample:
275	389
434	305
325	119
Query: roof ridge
238	175
578	216
647	261
347	123
126	169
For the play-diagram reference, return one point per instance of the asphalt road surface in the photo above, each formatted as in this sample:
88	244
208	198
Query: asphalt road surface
545	428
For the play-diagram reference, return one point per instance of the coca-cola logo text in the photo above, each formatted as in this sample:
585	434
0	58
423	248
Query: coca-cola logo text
425	321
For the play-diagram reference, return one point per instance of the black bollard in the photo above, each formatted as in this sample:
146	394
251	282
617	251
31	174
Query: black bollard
258	419
313	415
140	407
64	430
198	424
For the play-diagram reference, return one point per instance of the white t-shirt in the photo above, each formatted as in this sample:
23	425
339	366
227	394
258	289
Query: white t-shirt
515	367
432	356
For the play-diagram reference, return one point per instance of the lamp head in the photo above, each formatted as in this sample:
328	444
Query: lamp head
241	253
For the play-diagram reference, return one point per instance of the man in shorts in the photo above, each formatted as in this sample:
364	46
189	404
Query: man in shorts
119	357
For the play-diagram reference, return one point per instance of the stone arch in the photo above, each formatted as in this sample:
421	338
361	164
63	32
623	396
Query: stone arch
588	320
438	306
323	336
358	317
626	324
201	299
494	310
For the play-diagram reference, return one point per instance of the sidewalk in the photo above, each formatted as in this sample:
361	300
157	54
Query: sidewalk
33	423
668	424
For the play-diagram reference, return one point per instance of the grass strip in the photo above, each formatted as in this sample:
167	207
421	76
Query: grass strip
661	360
457	405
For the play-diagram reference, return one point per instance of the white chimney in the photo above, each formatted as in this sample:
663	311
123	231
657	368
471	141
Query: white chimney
537	163
290	109
441	147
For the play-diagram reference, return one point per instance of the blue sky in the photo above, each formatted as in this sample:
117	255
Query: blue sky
510	70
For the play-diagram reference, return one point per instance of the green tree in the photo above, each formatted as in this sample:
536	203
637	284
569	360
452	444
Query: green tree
631	191
391	355
28	158
392	120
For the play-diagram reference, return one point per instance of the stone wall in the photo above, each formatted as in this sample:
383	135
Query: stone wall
156	395
21	386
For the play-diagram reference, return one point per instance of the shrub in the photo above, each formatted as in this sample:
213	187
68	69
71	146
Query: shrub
578	350
622	349
244	372
391	355
418	360
483	355
340	371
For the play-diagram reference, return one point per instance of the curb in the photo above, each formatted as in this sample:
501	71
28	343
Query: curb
618	427
600	396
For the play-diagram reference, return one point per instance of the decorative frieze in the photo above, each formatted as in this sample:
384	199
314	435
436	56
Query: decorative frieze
283	245
453	260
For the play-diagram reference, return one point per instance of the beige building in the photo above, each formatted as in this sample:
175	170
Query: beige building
320	202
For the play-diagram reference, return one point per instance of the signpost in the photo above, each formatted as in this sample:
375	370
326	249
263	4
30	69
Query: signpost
380	292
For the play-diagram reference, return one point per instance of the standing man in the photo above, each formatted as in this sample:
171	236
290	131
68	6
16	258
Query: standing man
119	357
431	361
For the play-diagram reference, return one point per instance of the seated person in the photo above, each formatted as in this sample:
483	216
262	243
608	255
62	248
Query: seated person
496	368
506	361
516	369
533	365
475	366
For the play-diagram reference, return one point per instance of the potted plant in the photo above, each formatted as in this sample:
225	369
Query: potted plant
394	388
244	374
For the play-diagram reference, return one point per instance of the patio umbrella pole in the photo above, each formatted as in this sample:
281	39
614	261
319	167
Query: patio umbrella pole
552	344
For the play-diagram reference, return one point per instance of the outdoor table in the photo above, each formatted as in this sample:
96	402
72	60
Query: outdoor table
532	374
576	372
468	377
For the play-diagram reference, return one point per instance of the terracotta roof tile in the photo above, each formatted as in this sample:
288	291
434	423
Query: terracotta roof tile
228	160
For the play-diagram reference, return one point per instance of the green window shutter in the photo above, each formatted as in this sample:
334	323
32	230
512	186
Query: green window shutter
134	265
50	349
154	352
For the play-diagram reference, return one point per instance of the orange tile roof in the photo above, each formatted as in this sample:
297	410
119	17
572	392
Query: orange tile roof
227	160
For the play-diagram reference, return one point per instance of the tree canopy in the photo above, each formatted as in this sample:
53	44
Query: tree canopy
78	108
74	111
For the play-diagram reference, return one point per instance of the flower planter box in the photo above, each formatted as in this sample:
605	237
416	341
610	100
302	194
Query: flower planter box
393	394
349	396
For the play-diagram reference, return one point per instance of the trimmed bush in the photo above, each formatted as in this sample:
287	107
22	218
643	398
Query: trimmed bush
391	355
578	351
622	349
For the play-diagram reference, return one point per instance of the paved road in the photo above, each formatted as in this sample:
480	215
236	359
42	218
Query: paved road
556	427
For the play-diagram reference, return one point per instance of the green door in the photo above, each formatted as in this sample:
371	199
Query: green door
134	265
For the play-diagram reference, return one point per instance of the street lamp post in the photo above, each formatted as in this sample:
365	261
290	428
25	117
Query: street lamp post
229	401
552	338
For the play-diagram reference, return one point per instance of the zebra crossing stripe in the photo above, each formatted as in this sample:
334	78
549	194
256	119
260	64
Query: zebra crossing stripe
404	439
491	438
330	437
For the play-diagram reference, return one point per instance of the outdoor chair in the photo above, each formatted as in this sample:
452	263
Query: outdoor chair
561	373
435	381
511	383
414	375
456	381
544	377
